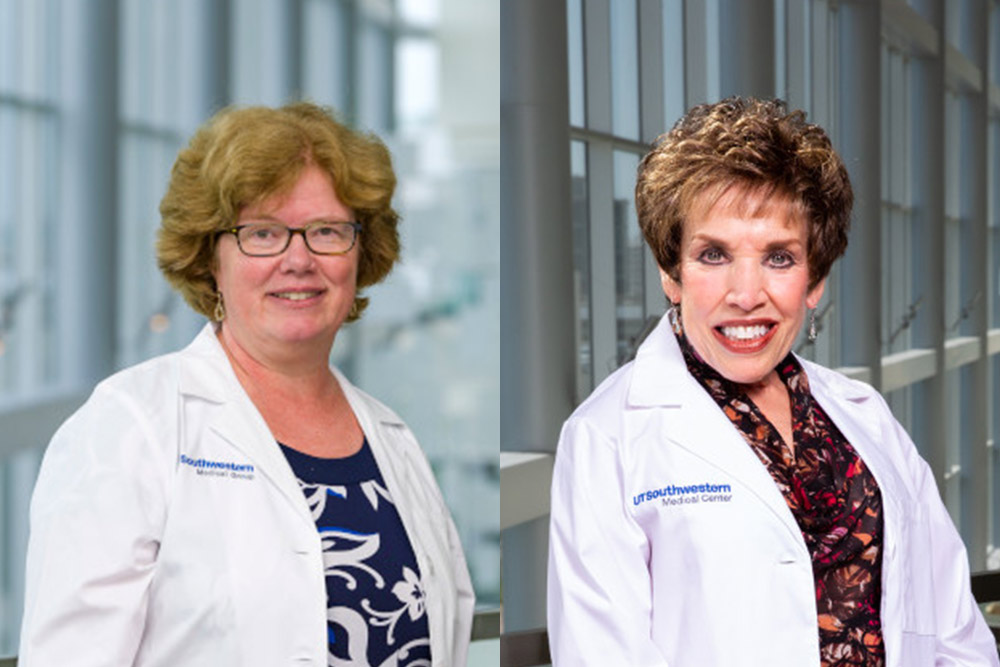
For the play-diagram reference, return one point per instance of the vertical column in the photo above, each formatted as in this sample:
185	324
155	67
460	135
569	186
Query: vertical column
651	75
651	122
600	184
217	43
87	247
746	38
696	56
798	30
538	358
293	49
859	108
976	459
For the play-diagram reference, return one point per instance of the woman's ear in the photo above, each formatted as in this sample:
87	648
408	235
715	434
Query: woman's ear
815	294
671	287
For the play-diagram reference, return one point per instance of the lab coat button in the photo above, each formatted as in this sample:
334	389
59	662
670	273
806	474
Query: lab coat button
787	559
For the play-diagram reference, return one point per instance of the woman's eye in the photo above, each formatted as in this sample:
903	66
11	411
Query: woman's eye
711	256
781	259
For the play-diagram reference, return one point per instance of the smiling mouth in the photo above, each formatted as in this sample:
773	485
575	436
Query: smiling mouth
744	334
745	338
297	296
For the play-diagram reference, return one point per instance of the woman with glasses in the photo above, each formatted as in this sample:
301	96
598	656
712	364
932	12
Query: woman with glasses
239	502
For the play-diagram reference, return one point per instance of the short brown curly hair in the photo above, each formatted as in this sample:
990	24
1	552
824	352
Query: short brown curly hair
243	156
756	147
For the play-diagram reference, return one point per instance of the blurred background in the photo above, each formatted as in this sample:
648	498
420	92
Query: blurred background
97	97
909	92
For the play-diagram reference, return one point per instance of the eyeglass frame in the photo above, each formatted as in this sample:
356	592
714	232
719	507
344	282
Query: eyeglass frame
292	231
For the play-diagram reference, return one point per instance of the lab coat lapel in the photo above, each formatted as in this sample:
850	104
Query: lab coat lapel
382	428
207	374
393	449
855	411
693	421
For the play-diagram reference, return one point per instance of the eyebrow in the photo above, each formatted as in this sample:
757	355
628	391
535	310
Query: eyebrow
266	217
780	244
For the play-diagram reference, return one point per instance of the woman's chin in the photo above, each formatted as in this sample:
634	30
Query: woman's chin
301	333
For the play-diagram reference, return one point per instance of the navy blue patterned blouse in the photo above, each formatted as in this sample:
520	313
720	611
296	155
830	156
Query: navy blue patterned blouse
375	596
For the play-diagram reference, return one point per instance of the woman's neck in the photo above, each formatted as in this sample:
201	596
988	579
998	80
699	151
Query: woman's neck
306	373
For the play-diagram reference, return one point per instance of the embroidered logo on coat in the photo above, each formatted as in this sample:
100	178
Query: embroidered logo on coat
673	494
219	468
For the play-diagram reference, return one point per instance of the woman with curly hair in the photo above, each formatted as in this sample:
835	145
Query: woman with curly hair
719	500
239	502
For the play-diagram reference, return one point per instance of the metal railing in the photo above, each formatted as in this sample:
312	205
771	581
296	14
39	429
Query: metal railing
986	589
485	625
529	648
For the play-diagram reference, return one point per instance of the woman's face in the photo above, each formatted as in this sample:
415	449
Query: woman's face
297	296
744	284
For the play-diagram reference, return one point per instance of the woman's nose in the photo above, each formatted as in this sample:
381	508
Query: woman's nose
297	255
746	286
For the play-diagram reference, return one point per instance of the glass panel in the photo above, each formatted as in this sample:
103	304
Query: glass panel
994	465
27	279
994	44
970	293
901	403
419	13
952	491
961	29
625	69
993	222
28	56
899	305
953	213
327	44
374	77
155	101
629	250
994	281
260	55
673	63
417	67
581	266
577	70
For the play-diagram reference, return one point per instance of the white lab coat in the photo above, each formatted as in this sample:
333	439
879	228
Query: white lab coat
136	558
642	577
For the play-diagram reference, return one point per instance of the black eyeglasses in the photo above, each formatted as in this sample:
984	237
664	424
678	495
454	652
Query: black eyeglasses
267	239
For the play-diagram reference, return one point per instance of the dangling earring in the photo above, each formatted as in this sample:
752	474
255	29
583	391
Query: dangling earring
220	309
812	326
674	318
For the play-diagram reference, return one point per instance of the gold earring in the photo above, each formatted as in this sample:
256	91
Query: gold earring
220	309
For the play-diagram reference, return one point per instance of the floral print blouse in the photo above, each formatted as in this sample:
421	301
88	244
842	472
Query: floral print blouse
835	501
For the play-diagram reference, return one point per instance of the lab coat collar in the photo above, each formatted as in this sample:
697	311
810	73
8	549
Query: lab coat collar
206	374
661	378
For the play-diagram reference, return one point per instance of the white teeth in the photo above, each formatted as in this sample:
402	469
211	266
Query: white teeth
295	296
745	333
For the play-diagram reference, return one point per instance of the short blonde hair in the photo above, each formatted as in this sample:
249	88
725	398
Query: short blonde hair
243	156
753	146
